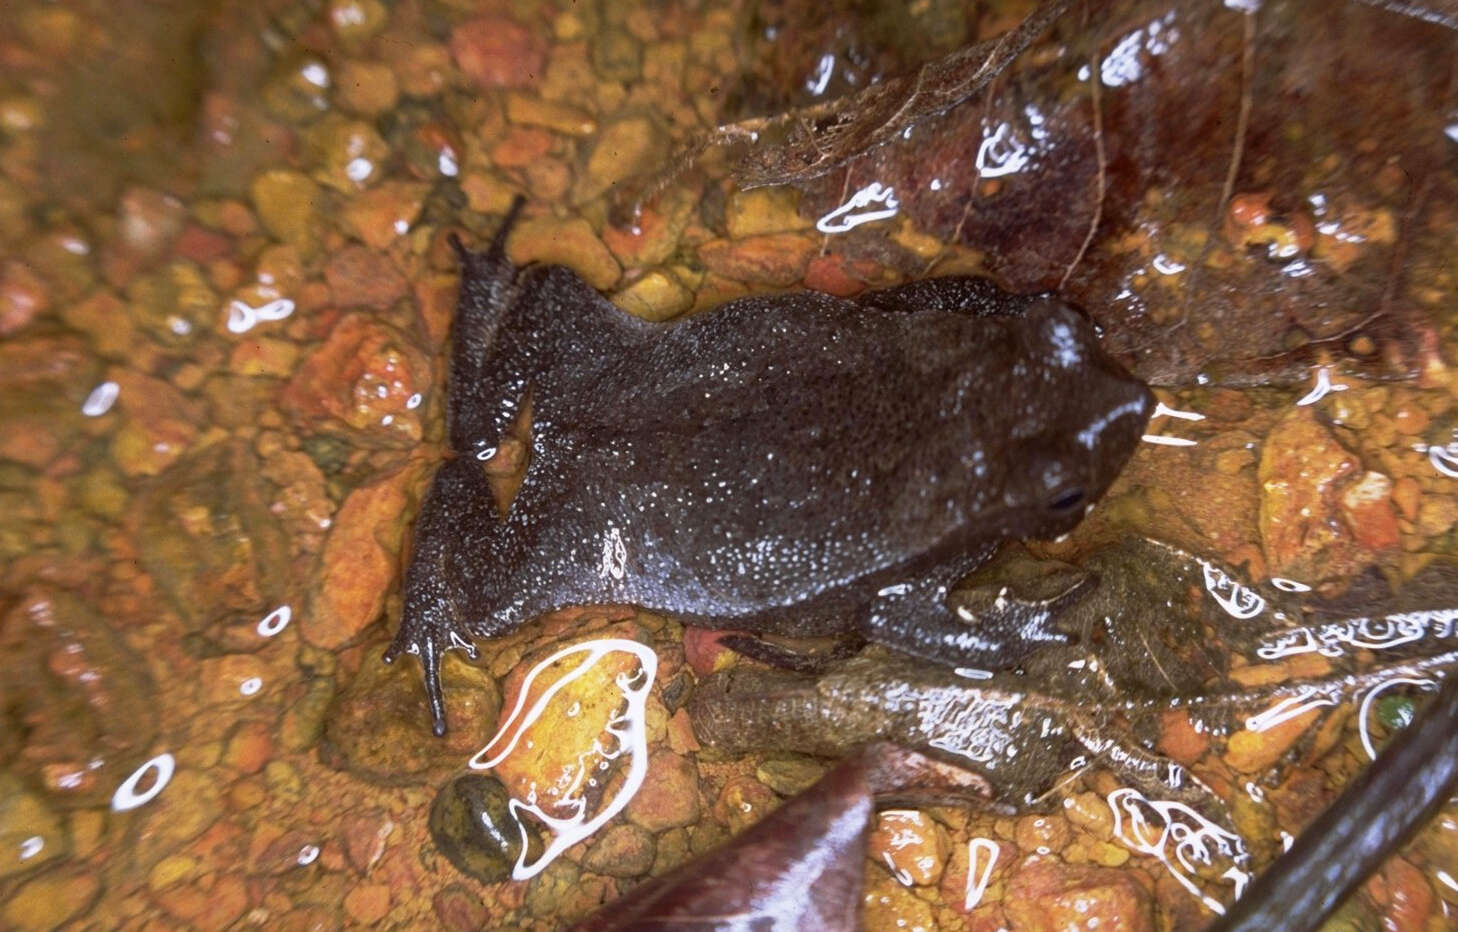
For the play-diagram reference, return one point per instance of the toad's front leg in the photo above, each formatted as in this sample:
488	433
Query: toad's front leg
914	617
455	526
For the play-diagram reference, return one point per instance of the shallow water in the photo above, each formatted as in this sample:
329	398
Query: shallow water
225	290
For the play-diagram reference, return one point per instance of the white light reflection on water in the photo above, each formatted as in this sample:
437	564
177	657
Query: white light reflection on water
817	83
629	728
1291	707
126	796
1126	62
1001	153
101	399
1321	388
844	218
275	621
31	847
1194	839
981	859
243	317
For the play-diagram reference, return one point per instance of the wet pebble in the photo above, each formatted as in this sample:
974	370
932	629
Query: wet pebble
1041	834
160	424
288	205
1437	515
655	296
85	698
910	845
103	319
368	903
650	237
887	904
522	147
623	851
764	210
189	805
212	904
789	776
1251	751
1354	916
207	538
837	275
1045	896
378	726
669	797
1439	847
356	570
486	193
1179	739
366	88
1303	469
297	91
355	21
742	802
249	746
277	849
1404	896
955	886
570	242
365	835
266	356
1366	504
50	899
360	277
346	155
359	384
303	720
494	51
557	116
621	150
383	214
23	295
31	834
772	258
617	55
459	909
148	221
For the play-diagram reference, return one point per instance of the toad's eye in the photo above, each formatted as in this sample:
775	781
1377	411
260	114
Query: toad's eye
1066	501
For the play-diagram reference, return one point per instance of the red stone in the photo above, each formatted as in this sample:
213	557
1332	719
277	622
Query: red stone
202	246
833	275
361	277
494	51
703	652
22	296
357	569
774	258
1046	896
339	384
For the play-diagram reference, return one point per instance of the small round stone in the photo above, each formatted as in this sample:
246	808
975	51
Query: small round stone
474	829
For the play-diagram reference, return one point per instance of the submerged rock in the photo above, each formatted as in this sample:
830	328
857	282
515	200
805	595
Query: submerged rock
374	728
78	701
364	384
207	536
472	826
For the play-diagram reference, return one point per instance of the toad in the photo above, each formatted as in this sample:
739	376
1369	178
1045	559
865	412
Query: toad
793	464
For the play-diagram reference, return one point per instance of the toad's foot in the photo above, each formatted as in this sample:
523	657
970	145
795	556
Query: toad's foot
428	636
